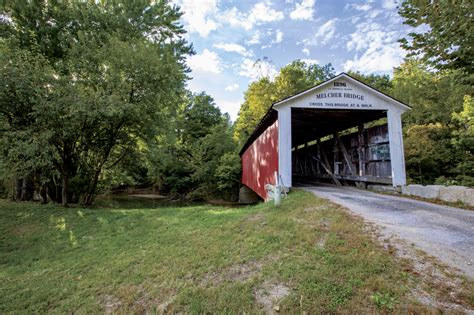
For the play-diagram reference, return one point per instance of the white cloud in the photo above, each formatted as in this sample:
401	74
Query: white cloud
232	87
257	69
389	4
208	61
381	60
303	10
327	31
230	107
310	61
255	39
370	35
372	14
359	6
261	12
377	48
279	37
230	47
236	18
355	19
198	15
305	51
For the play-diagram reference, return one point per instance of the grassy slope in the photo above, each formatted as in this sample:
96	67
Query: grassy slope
199	258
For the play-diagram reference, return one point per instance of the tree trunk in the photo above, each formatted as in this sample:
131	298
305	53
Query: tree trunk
89	197
17	194
64	191
24	186
44	194
28	189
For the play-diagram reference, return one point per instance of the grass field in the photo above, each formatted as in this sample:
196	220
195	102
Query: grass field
131	257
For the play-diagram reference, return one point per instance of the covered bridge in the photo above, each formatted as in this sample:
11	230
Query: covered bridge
340	131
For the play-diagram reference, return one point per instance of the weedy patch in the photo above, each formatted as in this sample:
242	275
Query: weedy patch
111	303
25	229
383	300
269	296
240	272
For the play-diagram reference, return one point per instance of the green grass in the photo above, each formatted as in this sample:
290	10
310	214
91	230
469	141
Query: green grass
131	257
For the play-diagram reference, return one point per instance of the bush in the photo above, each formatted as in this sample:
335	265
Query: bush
228	175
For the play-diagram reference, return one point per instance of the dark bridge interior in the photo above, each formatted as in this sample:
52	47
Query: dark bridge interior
340	146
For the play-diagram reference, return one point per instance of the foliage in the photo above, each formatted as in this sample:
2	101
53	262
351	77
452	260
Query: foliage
134	255
228	173
105	75
260	95
463	141
433	96
443	33
185	161
437	132
383	83
382	301
257	100
299	76
428	152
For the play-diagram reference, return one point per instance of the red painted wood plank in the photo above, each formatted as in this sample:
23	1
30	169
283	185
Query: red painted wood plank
260	161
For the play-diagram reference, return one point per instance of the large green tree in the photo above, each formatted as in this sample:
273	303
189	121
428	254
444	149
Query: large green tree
443	33
189	159
116	70
433	95
437	133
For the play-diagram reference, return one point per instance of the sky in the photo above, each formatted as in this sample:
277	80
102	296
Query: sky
230	36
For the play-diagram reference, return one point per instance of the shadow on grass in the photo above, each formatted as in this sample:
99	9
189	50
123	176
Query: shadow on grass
119	201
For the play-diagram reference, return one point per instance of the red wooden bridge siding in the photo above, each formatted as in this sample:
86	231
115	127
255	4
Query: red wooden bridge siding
260	161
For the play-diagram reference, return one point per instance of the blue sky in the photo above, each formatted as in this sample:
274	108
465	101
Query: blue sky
230	36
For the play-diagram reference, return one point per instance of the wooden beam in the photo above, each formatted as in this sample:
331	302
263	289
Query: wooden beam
326	165
367	178
347	158
361	149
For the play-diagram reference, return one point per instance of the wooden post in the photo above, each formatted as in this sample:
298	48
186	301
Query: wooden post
284	146
361	150
318	169
397	159
347	158
325	164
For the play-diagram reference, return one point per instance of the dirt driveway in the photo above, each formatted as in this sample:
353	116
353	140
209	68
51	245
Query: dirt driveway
443	232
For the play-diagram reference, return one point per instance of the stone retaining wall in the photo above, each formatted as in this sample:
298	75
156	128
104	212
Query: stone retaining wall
446	193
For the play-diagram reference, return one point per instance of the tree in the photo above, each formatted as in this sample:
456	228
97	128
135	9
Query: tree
382	83
436	129
228	175
185	161
118	69
433	95
444	33
428	152
257	100
200	116
292	79
463	141
299	76
26	152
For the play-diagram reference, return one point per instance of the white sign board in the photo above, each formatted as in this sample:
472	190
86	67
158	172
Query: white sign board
340	94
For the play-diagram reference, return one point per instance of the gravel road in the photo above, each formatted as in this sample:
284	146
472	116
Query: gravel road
441	231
